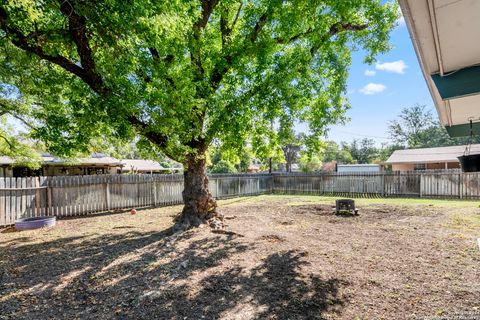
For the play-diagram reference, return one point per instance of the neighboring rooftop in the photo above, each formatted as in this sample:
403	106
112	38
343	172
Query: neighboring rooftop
48	159
6	161
430	155
144	166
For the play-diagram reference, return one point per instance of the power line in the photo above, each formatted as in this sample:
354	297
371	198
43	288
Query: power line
362	135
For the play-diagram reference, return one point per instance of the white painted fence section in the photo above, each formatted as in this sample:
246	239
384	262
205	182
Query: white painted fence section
81	195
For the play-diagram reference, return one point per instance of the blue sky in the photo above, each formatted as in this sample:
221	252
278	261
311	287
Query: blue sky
379	97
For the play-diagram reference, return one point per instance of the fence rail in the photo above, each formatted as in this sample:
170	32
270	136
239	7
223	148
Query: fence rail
80	195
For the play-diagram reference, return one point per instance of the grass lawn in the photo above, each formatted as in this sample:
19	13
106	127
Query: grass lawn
288	257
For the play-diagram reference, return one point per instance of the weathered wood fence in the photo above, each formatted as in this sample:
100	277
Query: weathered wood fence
80	195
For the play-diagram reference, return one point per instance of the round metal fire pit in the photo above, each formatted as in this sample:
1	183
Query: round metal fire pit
35	223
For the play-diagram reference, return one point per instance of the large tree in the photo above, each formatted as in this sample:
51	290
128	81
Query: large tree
416	127
362	151
183	73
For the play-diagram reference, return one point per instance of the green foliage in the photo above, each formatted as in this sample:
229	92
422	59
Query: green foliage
310	163
181	74
165	164
223	166
362	151
332	152
13	144
417	128
241	159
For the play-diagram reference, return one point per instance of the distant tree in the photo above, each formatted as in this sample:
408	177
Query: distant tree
416	127
240	158
331	151
13	144
223	166
182	74
386	151
310	163
245	159
411	124
362	151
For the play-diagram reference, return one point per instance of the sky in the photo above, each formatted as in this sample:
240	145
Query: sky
378	92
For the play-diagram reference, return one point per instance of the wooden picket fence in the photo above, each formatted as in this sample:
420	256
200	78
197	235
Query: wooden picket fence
80	195
63	196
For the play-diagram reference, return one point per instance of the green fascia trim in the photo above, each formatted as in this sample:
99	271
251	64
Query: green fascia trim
463	82
462	130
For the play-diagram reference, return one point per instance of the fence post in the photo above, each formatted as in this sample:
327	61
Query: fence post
107	193
239	189
421	185
460	185
154	190
48	209
383	184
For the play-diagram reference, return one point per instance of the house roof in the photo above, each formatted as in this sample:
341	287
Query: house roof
6	160
357	165
143	165
48	159
430	155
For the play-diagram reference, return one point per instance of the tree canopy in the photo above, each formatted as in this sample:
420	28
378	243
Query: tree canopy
416	127
181	74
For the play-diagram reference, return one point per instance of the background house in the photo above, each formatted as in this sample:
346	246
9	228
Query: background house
54	166
428	158
6	169
145	167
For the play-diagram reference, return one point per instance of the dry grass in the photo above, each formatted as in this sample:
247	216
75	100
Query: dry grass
399	259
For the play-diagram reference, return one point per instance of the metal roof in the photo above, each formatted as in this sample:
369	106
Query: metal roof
6	160
48	159
430	155
143	165
358	165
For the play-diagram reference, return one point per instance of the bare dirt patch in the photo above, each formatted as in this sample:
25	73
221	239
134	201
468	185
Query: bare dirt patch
280	260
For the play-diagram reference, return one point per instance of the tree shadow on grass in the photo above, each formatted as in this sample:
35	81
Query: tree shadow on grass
137	275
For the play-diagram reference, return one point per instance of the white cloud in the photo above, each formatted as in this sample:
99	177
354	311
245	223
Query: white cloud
373	88
395	66
370	73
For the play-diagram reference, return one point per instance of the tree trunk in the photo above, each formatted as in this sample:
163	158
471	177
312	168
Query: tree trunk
199	205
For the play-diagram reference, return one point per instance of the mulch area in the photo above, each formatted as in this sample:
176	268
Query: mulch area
282	260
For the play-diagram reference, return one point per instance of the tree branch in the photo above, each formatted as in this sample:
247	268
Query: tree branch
335	29
159	139
25	43
10	145
78	31
236	16
207	9
86	72
221	69
218	73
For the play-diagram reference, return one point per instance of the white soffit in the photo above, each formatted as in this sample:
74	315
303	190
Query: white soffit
465	108
444	34
458	25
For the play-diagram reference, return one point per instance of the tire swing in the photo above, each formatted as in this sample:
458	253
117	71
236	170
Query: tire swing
469	162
